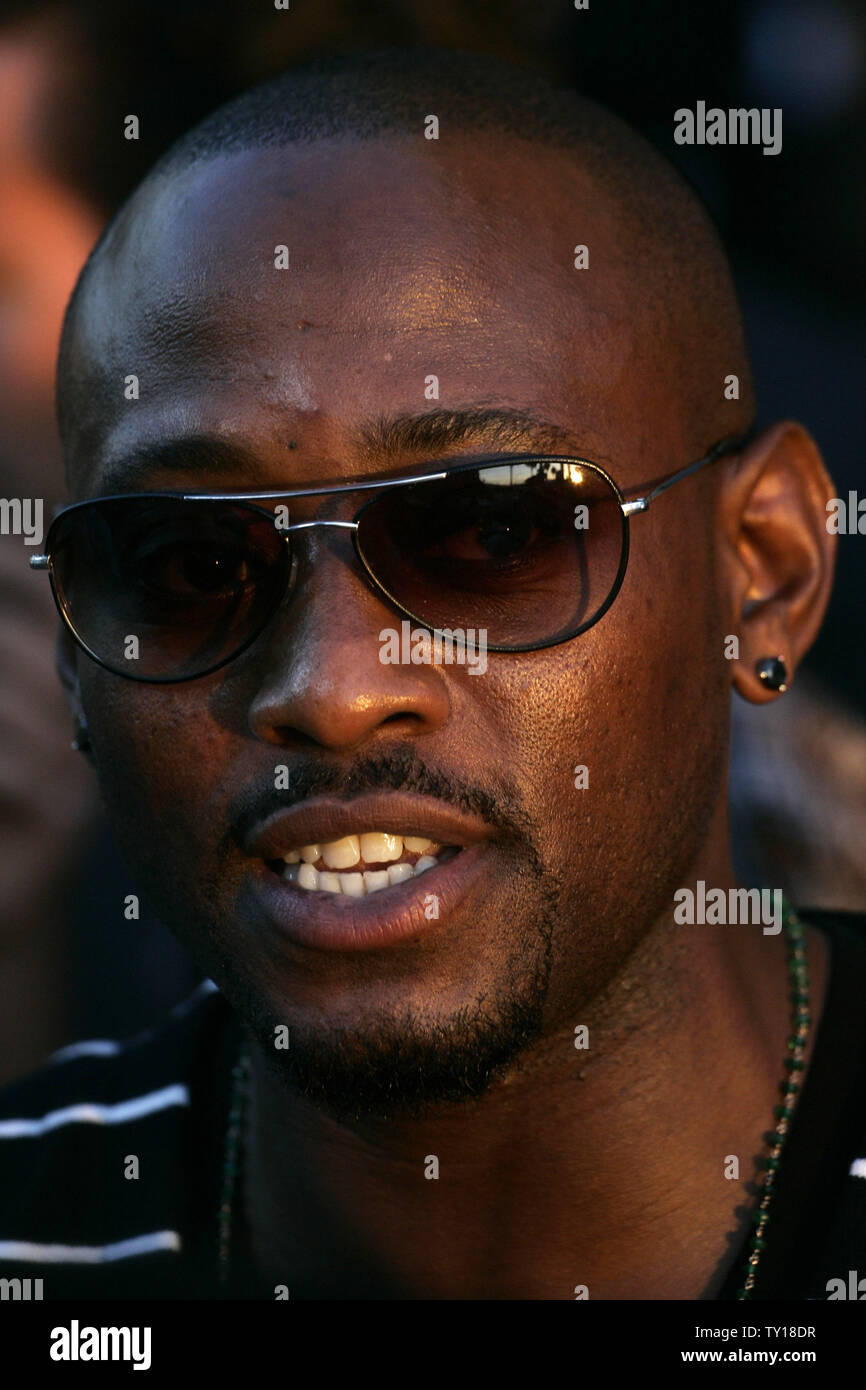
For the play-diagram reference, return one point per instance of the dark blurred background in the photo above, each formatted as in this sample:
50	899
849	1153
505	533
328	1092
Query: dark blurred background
71	965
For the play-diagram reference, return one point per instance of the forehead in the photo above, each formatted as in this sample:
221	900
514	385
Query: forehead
272	293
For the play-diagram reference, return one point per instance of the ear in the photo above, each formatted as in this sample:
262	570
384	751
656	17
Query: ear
66	662
778	554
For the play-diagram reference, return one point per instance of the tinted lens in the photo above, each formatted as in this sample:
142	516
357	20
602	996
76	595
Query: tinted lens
163	589
531	552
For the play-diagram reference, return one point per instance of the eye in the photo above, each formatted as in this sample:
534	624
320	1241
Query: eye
188	561
494	538
200	569
473	526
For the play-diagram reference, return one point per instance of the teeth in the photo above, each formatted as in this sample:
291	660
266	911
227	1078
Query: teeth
352	885
374	847
356	885
416	844
378	848
341	854
374	879
308	877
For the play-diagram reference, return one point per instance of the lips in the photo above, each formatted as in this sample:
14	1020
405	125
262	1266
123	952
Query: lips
327	821
420	897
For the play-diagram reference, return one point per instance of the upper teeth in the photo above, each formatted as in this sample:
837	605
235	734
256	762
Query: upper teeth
374	847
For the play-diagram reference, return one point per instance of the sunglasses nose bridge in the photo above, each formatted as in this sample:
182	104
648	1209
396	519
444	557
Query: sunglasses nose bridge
301	527
322	521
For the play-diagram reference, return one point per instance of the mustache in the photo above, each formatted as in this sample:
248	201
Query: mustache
399	770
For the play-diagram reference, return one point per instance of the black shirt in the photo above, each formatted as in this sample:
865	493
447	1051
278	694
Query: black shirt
73	1136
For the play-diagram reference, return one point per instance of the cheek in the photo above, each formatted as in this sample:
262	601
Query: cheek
160	760
618	734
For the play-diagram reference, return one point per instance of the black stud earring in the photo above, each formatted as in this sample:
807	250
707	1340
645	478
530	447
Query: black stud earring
81	742
773	673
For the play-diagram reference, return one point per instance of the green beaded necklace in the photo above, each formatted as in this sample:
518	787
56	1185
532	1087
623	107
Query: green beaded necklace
801	1019
231	1163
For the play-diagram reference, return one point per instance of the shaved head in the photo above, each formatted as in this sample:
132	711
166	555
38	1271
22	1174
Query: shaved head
659	242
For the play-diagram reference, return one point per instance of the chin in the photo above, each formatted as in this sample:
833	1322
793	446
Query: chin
400	1067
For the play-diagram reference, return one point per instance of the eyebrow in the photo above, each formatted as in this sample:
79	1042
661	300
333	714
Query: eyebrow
385	438
440	429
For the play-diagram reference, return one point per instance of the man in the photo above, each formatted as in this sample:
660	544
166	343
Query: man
464	1042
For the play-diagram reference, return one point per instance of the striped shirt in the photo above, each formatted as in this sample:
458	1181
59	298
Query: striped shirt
111	1156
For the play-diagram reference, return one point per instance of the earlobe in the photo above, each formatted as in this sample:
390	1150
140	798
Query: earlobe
780	557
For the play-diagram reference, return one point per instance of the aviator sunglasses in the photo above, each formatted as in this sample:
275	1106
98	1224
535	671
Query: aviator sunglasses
530	549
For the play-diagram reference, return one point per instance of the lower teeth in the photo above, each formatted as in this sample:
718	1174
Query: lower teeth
356	885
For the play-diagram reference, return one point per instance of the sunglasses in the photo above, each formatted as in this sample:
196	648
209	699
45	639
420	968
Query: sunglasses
167	587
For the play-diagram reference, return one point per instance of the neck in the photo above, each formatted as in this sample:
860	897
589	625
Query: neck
603	1167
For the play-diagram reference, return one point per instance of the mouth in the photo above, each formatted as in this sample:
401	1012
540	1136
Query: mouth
373	871
356	865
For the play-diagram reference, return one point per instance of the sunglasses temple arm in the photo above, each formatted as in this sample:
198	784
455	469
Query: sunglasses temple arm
638	504
725	446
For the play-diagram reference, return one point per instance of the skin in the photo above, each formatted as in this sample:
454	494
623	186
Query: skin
572	1167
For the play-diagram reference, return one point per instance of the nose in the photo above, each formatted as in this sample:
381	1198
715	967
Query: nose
322	678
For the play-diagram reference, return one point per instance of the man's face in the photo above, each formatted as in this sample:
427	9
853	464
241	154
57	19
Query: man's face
406	258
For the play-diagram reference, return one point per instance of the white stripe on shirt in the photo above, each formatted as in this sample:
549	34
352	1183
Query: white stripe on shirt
95	1047
92	1113
28	1251
110	1047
